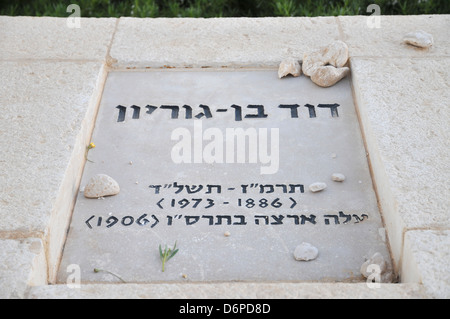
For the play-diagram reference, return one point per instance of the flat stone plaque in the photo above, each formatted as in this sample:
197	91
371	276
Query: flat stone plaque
221	162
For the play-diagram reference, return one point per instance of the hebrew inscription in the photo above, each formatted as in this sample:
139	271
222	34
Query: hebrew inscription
206	111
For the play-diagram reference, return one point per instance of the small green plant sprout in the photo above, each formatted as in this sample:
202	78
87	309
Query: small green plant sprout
167	254
96	270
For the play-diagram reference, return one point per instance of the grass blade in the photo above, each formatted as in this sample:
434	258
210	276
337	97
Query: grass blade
160	253
172	254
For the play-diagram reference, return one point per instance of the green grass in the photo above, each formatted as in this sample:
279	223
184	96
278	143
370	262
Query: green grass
221	8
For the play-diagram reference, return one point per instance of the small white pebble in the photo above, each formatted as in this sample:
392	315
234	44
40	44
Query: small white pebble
227	234
338	177
317	187
305	252
101	185
419	39
333	155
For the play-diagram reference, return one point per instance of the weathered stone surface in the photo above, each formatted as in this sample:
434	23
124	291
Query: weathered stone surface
22	264
51	38
101	185
43	140
305	252
218	42
385	40
404	134
419	39
230	290
289	66
41	131
426	259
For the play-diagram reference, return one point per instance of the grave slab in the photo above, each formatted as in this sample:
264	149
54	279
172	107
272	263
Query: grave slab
220	163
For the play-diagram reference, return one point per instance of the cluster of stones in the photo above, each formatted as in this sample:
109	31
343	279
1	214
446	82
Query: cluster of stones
325	66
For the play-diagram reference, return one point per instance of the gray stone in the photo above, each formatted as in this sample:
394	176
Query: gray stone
419	39
305	252
101	185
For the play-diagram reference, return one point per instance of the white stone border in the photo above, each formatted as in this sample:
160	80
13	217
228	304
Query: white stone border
52	78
